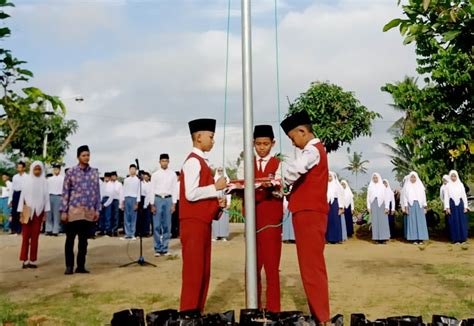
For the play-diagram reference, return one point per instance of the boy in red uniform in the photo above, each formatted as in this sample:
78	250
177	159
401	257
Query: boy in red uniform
198	206
308	176
268	213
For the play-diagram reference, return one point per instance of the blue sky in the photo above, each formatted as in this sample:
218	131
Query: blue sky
146	67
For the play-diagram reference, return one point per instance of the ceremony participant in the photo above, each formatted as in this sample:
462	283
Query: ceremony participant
33	206
106	199
377	205
455	204
335	197
144	212
348	208
175	215
220	228
17	186
199	206
415	201
163	203
390	197
130	198
268	215
5	210
116	187
288	231
55	187
442	193
309	206
79	208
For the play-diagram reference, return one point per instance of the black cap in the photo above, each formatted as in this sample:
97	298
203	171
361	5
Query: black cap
295	120
56	165
113	174
81	149
202	125
107	174
263	131
164	156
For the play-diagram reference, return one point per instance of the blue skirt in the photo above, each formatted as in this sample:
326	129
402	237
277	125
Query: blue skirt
458	223
417	228
343	227
288	231
379	220
349	221
334	230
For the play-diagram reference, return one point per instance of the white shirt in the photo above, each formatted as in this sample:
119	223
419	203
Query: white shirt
308	159
192	170
107	191
163	183
131	188
145	193
55	185
265	160
7	189
17	184
177	190
116	190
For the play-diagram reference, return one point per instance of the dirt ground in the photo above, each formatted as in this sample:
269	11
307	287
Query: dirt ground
378	280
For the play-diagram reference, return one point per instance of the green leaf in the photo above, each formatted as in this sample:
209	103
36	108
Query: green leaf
448	36
25	72
426	4
4	31
3	15
408	39
393	23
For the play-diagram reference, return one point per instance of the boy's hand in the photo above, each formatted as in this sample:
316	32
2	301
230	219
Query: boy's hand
221	183
223	202
173	208
96	216
64	217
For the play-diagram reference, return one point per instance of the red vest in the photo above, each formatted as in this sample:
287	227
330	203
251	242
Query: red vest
309	192
204	209
269	210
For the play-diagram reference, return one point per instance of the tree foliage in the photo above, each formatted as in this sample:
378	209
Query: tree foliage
356	165
437	126
25	117
338	117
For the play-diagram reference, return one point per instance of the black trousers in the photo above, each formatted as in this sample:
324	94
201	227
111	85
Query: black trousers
175	222
15	225
82	230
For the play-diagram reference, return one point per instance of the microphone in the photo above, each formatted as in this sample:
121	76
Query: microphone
138	164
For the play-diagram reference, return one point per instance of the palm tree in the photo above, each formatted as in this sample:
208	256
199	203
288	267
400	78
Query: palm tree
402	159
356	165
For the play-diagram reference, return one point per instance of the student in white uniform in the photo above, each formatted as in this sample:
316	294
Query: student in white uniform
55	187
144	212
17	187
5	210
116	194
130	198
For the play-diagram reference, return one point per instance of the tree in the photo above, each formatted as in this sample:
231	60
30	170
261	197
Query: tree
438	115
338	117
356	165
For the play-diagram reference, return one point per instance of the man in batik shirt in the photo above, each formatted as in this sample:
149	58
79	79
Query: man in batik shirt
80	208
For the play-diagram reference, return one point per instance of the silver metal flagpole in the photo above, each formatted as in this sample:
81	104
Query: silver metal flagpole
250	231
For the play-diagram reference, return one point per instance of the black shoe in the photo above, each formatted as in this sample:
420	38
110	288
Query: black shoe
54	234
69	271
24	266
109	234
101	233
115	234
49	234
82	270
33	266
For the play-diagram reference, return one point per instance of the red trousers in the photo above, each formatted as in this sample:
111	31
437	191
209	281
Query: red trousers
310	230
196	247
30	233
268	257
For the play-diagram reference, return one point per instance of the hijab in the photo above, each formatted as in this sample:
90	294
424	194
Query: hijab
442	189
376	190
224	174
335	190
389	194
348	195
456	190
35	191
415	191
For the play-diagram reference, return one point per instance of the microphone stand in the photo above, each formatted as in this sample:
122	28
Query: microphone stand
141	260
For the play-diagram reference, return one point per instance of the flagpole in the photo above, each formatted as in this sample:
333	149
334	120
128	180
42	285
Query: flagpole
250	229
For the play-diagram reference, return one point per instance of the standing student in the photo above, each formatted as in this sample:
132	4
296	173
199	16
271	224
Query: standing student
334	232
220	228
442	193
415	201
309	206
17	186
455	204
377	206
106	199
55	186
116	188
163	203
33	206
288	235
80	208
390	196
199	206
175	216
268	216
144	212
348	207
5	210
130	199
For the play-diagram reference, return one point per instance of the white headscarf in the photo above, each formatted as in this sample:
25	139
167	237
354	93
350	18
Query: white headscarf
455	190
348	195
389	194
376	190
224	174
335	190
35	192
442	189
415	191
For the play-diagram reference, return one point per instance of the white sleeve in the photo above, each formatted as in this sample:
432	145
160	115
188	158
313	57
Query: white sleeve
139	191
296	168
151	191
368	201
352	204
110	199
191	170
464	198
21	202
174	185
